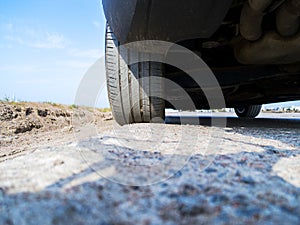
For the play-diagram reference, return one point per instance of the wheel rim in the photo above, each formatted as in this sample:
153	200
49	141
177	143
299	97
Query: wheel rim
241	110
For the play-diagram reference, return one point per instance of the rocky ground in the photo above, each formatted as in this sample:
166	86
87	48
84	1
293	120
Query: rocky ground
28	126
246	173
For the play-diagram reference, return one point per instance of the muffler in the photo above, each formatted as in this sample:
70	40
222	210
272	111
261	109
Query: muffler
270	49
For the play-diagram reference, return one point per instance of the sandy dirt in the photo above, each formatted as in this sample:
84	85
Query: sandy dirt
30	126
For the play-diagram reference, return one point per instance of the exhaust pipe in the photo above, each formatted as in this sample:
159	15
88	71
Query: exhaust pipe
271	49
288	18
251	18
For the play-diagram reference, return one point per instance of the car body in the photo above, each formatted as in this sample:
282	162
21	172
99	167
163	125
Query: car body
136	20
252	46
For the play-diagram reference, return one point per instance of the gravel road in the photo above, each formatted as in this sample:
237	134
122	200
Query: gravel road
246	173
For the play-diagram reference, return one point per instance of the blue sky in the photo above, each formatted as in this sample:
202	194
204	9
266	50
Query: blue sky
46	46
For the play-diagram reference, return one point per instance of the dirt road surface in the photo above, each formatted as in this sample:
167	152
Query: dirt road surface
87	172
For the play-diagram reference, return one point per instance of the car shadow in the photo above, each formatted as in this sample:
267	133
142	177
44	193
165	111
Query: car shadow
292	123
270	128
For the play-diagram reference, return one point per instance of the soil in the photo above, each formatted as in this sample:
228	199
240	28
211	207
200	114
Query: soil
28	126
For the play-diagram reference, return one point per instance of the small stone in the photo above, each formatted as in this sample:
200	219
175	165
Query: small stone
248	180
43	112
178	174
58	162
210	170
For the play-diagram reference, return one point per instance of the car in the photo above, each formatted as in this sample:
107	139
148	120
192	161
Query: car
251	46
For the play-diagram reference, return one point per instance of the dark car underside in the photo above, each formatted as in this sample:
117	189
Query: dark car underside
252	46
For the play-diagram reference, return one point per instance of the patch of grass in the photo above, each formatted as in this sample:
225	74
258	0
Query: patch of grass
53	104
14	103
7	99
73	106
104	110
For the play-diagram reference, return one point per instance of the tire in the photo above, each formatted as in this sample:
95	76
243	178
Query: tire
129	86
249	112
